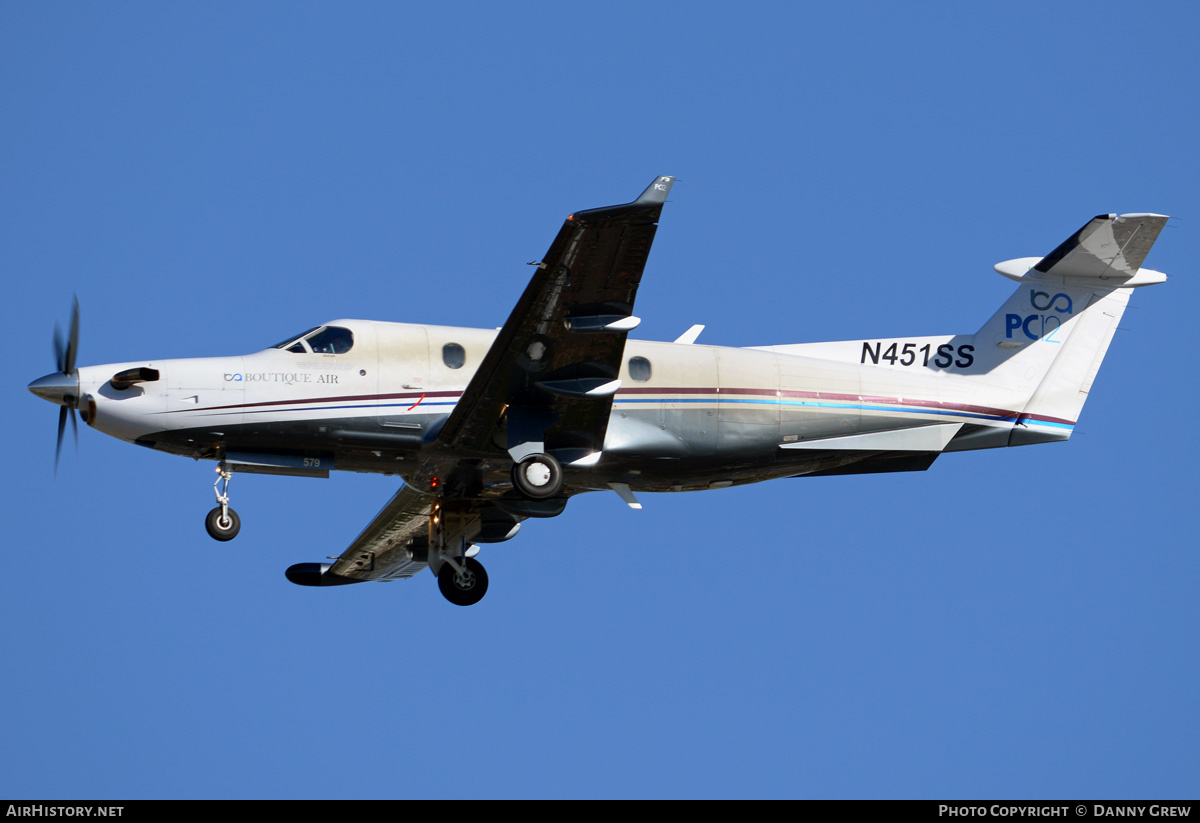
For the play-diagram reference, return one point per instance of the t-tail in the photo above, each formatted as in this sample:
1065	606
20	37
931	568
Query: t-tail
1048	340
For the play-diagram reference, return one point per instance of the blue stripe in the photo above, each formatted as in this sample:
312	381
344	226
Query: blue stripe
369	406
1049	423
719	401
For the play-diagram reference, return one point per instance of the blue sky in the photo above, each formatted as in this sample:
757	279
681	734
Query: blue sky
1010	623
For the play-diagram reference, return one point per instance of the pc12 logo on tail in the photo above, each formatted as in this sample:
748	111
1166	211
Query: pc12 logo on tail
1043	324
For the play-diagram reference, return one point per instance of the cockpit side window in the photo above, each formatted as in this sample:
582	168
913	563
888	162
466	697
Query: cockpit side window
331	340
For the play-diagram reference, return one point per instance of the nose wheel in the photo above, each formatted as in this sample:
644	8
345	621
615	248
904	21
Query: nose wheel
222	523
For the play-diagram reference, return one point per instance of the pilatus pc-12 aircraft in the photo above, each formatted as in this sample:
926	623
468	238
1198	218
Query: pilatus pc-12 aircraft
490	428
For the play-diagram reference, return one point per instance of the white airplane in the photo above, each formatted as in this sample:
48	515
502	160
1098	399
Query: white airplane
489	428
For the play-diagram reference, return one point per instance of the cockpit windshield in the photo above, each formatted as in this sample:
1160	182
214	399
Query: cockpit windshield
320	340
290	340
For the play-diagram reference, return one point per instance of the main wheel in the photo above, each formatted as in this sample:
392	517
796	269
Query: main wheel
538	476
464	589
222	528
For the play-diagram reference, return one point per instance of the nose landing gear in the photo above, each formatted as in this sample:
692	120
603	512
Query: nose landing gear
222	523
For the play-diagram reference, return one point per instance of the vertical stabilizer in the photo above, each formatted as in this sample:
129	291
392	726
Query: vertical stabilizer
1054	408
1056	328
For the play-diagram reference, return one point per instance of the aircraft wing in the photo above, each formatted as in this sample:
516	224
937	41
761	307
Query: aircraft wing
395	544
383	551
548	379
550	375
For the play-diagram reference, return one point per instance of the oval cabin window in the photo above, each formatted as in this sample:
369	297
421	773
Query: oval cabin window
453	355
639	369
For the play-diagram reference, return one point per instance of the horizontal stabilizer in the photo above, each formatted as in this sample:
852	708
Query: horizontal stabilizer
1109	250
932	438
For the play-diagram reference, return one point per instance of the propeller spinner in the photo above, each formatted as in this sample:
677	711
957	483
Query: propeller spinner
62	387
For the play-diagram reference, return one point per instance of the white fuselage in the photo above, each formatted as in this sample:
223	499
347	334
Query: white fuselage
375	407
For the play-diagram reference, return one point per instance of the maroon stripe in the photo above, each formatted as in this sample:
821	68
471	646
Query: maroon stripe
341	399
851	398
939	404
1045	418
642	390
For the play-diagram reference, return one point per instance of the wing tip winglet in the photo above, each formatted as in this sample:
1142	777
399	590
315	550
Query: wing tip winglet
657	191
647	207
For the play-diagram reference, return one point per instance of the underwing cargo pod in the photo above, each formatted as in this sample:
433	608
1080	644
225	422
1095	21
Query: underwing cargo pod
491	428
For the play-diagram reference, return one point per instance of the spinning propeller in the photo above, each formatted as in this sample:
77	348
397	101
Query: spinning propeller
62	387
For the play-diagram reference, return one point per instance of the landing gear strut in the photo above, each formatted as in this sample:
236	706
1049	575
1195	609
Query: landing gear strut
222	523
461	579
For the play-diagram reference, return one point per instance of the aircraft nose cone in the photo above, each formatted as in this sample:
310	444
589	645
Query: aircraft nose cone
58	388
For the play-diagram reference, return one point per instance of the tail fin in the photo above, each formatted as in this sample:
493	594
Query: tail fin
1054	331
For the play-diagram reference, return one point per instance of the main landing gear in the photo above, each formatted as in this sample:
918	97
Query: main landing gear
222	523
462	580
538	476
